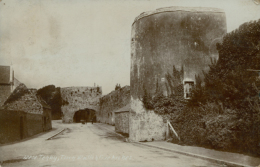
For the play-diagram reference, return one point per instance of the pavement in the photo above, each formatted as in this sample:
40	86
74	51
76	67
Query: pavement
227	158
221	157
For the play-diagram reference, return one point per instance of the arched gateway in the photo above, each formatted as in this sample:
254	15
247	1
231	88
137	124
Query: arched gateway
79	102
85	115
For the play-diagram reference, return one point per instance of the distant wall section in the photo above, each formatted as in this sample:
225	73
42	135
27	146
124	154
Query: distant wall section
112	102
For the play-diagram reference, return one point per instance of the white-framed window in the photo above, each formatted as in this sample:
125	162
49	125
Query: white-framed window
188	85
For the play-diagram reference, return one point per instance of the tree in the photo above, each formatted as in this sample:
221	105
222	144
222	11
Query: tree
52	97
228	79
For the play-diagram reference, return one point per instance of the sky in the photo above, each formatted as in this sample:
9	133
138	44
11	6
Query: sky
82	42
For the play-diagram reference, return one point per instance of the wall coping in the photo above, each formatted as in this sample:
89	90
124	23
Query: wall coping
179	8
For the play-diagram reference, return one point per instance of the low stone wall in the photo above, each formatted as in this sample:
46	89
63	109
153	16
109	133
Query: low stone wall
35	124
17	125
122	122
23	115
79	98
10	126
112	102
145	125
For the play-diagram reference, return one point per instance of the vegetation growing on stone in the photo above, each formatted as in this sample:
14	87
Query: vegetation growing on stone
230	79
232	87
117	87
224	111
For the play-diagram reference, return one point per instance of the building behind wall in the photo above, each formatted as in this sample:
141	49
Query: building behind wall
166	42
7	83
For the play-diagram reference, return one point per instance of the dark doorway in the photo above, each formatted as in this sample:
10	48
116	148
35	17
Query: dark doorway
85	115
80	115
21	127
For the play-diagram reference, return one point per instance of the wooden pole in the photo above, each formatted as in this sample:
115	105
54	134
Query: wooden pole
167	130
173	130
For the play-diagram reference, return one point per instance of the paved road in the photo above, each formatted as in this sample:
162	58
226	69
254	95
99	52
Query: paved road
89	145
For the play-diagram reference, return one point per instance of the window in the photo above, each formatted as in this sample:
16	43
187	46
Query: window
188	85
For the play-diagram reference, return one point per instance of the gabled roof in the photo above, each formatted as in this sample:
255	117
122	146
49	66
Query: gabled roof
124	109
5	74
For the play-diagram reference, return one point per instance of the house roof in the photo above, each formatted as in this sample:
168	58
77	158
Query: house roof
21	91
124	109
5	74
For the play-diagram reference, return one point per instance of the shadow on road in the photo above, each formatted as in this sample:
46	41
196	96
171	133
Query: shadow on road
29	138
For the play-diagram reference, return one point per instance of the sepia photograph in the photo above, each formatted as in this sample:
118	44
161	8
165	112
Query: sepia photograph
129	83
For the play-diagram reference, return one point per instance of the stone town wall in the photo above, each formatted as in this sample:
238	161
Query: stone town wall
112	102
145	125
162	41
122	122
79	98
181	37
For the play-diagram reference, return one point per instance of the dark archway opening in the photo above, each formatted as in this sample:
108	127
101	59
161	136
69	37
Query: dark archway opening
85	115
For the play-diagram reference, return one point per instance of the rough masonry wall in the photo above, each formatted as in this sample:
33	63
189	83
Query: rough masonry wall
122	122
145	125
112	102
79	98
180	37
